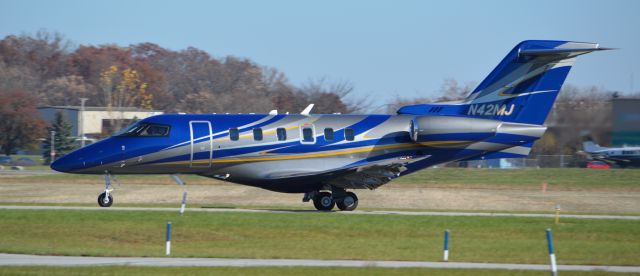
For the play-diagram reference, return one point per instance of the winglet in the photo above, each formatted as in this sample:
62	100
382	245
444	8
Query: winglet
307	110
273	112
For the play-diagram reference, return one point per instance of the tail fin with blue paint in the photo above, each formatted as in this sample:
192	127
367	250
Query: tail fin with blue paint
522	88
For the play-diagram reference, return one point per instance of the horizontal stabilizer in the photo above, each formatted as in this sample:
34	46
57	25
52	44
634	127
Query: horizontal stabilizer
561	52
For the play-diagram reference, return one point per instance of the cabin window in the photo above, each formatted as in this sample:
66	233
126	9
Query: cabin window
349	134
328	134
282	134
307	135
234	135
146	130
257	134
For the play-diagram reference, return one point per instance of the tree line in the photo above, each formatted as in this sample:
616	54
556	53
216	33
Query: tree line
146	75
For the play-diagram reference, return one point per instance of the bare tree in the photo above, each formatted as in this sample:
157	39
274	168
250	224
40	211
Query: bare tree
65	90
567	120
450	90
333	97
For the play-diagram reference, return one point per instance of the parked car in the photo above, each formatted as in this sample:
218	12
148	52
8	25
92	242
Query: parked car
598	165
25	161
5	160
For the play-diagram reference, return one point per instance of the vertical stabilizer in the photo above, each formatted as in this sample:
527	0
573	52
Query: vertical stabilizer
524	85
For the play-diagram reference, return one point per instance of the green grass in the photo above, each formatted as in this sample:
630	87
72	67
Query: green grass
557	178
195	271
315	235
571	178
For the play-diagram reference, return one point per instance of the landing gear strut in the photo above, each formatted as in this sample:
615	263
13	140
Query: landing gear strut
105	199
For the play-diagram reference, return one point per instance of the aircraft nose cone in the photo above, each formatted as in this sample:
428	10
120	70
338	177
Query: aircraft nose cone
61	164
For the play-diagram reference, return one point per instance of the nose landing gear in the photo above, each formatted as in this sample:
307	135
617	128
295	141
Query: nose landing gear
105	199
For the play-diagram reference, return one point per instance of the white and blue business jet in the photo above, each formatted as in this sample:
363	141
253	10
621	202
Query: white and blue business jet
324	155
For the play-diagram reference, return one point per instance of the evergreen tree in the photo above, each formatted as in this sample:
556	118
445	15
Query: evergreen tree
64	143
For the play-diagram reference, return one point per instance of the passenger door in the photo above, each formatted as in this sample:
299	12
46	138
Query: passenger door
201	144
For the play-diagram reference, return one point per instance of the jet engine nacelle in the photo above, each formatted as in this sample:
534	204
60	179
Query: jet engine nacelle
449	131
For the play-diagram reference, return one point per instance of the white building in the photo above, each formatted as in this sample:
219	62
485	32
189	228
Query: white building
96	121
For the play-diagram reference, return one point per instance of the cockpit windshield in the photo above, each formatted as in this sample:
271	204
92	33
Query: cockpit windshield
145	130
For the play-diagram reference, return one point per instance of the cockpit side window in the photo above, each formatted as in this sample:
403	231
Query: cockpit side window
146	130
134	128
155	130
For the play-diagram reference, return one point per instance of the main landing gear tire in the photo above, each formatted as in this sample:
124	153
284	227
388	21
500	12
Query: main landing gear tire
348	203
105	202
323	201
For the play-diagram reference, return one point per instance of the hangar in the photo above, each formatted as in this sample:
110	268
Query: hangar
626	121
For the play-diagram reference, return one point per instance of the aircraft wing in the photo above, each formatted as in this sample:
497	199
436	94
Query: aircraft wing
613	159
604	158
369	177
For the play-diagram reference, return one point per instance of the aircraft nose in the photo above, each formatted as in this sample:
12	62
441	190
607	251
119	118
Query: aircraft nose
61	164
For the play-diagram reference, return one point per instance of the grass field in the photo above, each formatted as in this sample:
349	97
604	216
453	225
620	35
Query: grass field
566	178
580	191
195	271
314	235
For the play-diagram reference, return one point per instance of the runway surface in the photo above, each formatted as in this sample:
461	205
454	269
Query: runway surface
35	260
404	213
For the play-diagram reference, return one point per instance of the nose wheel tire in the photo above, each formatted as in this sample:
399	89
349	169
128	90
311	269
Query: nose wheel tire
323	201
105	201
348	203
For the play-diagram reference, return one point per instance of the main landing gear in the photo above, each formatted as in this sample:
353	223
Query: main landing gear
105	199
348	203
325	201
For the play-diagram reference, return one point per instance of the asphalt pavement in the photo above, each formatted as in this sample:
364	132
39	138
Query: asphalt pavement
37	260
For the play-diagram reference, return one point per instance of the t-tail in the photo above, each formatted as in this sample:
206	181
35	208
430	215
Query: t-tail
505	114
590	146
522	88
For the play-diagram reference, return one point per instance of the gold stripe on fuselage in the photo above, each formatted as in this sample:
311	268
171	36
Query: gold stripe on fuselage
293	157
446	143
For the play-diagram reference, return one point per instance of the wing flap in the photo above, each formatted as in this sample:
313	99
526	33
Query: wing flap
370	177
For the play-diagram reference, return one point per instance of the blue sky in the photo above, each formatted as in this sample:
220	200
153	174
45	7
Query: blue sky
385	48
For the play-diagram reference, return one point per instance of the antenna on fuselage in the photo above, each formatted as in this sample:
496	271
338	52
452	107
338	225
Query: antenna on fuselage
273	112
307	110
